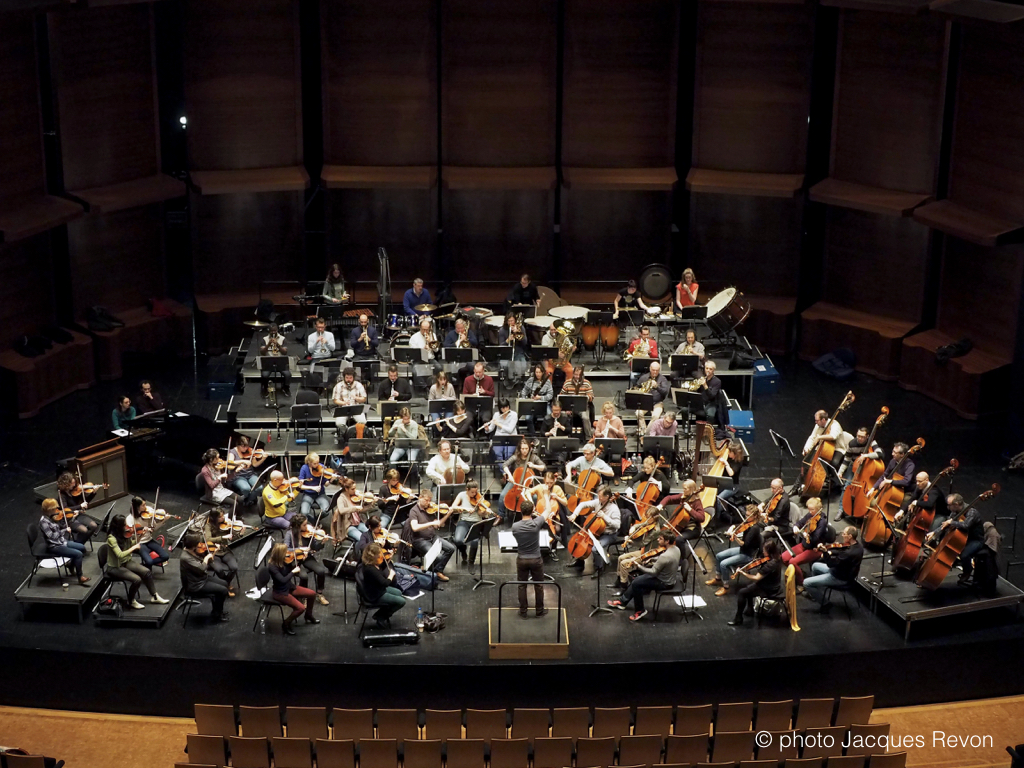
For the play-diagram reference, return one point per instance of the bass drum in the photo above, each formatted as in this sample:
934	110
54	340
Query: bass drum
727	310
491	327
655	283
590	333
536	327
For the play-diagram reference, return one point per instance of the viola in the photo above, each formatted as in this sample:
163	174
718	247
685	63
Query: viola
866	472
401	491
158	515
908	548
746	525
814	474
322	471
887	503
648	557
586	482
92	487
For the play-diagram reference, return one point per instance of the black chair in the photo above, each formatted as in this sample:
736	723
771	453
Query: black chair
40	550
266	599
204	492
676	590
101	555
844	590
365	604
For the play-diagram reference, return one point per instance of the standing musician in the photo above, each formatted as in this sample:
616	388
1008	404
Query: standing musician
426	339
377	580
918	499
523	292
529	563
608	424
806	548
834	435
320	343
424	525
589	460
459	426
479	383
200	578
742	553
55	529
392	496
686	290
415	296
314	479
513	334
710	391
243	477
124	413
404	429
73	496
691	346
460	337
776	509
859	447
972	525
557	424
300	538
277	495
469	505
575	385
689	498
445	460
658	386
218	533
522	458
150	550
148	400
764	581
899	451
121	567
286	591
393	389
350	511
549	496
214	477
732	466
655	578
606	510
334	286
665	426
348	391
628	298
838	567
363	340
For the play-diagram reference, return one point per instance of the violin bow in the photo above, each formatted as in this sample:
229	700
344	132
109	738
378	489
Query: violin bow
60	500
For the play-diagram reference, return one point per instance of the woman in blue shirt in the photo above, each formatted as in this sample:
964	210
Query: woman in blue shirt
124	413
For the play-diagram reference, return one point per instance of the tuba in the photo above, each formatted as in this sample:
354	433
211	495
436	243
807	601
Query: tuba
567	331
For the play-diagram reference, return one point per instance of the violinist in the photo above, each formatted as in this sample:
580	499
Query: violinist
732	466
459	426
838	567
972	526
121	567
218	534
777	508
658	577
373	534
691	346
314	477
148	400
55	530
376	579
529	563
73	496
282	567
123	414
918	499
762	581
645	531
689	499
609	424
834	435
749	545
392	496
320	344
523	458
404	429
472	508
214	477
363	341
605	509
806	548
424	520
278	494
198	573
349	513
242	479
300	537
445	460
686	290
480	383
150	550
589	460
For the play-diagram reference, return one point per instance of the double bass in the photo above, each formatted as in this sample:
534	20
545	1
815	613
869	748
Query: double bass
865	472
907	549
887	502
814	475
940	562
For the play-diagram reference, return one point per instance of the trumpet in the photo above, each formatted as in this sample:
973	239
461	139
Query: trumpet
432	342
463	342
364	337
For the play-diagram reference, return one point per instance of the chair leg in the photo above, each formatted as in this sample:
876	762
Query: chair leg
187	611
259	614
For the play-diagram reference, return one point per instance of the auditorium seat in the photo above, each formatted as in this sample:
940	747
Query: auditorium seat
353	724
854	709
847	761
422	753
710	181
875	340
824	742
464	753
206	749
530	723
640	750
335	753
865	738
775	750
216	720
249	752
486	724
443	724
611	721
693	719
378	753
307	722
773	715
397	724
805	762
142	332
732	746
260	721
292	752
890	760
552	752
573	722
509	753
814	713
758	764
734	716
653	721
686	748
595	753
38	381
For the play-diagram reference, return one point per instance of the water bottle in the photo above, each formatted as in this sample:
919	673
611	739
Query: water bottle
419	620
263	625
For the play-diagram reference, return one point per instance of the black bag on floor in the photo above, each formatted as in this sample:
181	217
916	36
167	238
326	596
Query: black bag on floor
111	607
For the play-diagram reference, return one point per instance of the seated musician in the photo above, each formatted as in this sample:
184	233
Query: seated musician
833	435
469	506
377	579
648	472
442	395
763	581
859	447
900	463
777	508
710	390
215	476
522	458
151	551
575	385
745	546
608	424
605	509
642	537
363	340
218	533
556	424
838	567
246	464
479	383
393	389
373	534
426	339
200	577
691	346
549	500
347	392
121	566
286	591
628	298
314	485
320	343
424	520
300	536
642	346
392	496
415	296
589	460
123	414
657	385
523	292
277	496
971	525
55	531
404	429
658	577
686	290
689	499
460	336
445	460
806	548
504	423
459	426
732	466
513	334
550	339
538	386
148	400
350	512
918	499
334	286
663	427
73	496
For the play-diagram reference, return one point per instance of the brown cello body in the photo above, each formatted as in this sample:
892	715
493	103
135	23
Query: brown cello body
887	503
580	544
908	548
814	476
866	472
934	570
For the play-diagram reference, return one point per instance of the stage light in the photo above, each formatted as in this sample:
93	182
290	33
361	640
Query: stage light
183	120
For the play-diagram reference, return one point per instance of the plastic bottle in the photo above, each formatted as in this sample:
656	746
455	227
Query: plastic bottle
419	620
263	625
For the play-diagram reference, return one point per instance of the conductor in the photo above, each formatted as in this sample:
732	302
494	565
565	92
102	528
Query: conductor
529	563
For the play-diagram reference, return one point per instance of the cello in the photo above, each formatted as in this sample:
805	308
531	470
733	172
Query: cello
586	482
865	472
522	475
580	543
909	546
940	562
887	502
814	475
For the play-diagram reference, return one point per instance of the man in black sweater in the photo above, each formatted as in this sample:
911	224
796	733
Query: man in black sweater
971	524
838	567
197	570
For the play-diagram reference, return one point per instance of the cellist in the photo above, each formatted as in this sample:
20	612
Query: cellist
648	474
834	435
549	496
689	499
606	510
589	460
523	458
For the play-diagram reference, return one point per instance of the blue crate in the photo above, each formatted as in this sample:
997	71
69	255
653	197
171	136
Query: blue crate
766	377
743	423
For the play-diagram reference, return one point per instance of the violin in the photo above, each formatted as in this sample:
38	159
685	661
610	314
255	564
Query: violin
746	525
134	531
233	525
91	487
316	534
322	471
221	464
648	557
364	499
158	515
401	491
750	566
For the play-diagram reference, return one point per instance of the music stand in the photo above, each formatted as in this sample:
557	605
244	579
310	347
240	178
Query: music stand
277	366
634	316
458	355
365	450
481	530
566	445
639	401
692	312
692	608
598	550
663	445
446	492
526	310
684	364
411	444
641	365
535	410
436	408
832	474
691	402
478	405
613	446
783	445
496	354
576	404
302	417
407	354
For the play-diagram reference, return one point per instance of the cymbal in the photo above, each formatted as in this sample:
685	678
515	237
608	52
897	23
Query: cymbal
256	324
425	308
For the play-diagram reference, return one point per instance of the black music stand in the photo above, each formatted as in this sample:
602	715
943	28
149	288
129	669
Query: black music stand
600	319
365	450
576	405
641	365
684	365
446	492
832	474
437	408
390	409
481	531
536	410
661	446
277	366
692	312
634	316
495	354
639	401
783	445
566	445
406	354
692	608
526	310
506	441
407	445
479	406
598	608
303	417
458	355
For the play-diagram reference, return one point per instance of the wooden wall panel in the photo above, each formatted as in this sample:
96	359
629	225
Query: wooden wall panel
987	166
238	240
752	243
26	292
490	235
980	294
875	263
753	87
404	221
380	82
888	112
242	93
620	83
498	83
612	235
117	259
106	95
21	158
